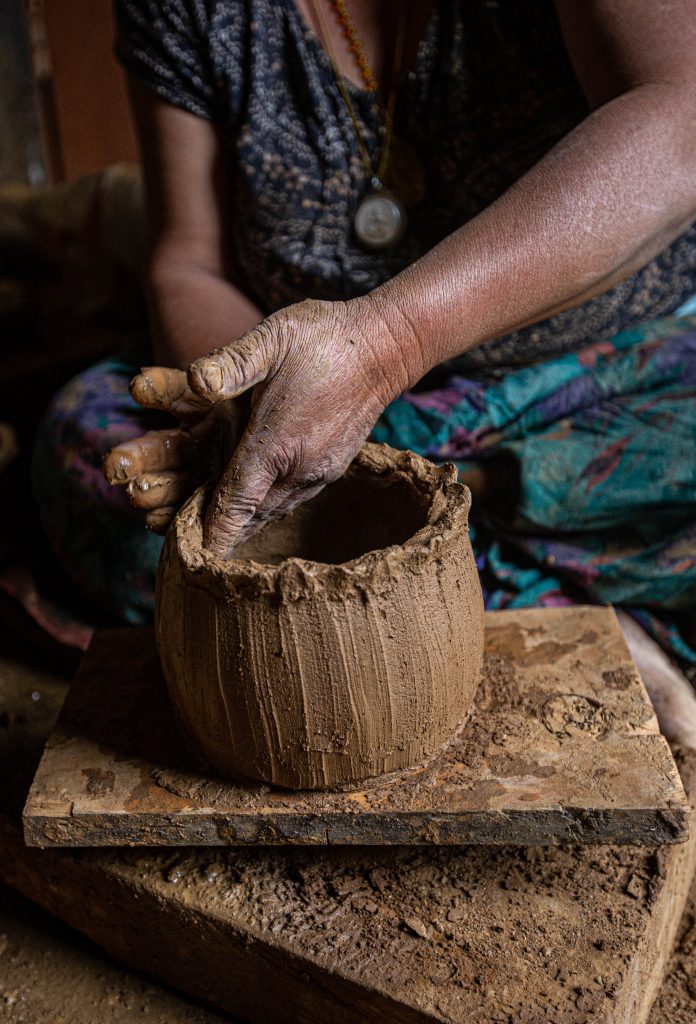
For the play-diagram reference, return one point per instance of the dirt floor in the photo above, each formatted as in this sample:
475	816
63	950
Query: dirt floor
49	974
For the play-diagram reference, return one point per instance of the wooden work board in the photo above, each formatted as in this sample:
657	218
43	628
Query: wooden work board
562	745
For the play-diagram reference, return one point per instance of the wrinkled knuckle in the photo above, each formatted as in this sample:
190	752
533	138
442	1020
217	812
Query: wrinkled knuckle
265	343
243	507
255	346
235	361
285	459
316	477
265	332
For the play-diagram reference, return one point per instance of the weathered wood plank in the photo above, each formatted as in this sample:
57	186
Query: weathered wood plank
676	1000
563	746
51	972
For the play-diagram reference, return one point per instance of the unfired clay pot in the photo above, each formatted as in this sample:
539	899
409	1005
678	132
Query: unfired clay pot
341	643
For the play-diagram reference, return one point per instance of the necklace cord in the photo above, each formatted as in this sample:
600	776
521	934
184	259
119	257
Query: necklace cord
391	99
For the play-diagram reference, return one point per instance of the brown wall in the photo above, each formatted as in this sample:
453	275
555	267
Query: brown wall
92	120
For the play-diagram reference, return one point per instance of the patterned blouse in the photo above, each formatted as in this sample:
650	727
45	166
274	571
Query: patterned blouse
490	92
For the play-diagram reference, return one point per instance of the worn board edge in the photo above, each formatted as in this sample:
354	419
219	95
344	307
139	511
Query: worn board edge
648	827
678	866
48	825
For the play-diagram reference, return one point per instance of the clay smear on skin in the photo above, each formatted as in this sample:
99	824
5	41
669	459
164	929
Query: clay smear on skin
341	643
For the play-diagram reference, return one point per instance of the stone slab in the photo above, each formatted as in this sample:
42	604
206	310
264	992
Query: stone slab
563	745
559	935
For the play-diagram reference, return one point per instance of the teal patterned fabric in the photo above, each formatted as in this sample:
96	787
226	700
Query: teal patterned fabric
602	447
603	443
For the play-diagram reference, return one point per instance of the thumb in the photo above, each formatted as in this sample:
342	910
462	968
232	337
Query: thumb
241	490
229	371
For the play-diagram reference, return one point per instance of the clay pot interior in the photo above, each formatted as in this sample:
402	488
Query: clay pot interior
348	519
338	644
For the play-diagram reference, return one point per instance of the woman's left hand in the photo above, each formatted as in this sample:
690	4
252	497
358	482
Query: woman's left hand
321	374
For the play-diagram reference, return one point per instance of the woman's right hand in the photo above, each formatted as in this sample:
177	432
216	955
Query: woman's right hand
162	468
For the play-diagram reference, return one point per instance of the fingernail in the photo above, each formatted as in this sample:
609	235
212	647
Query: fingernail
117	469
212	376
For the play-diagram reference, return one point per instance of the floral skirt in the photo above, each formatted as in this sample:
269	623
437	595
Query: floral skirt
600	446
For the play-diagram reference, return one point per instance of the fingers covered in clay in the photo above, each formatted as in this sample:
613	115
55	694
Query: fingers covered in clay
158	520
160	490
241	491
230	371
155	451
161	387
318	388
280	501
158	387
249	496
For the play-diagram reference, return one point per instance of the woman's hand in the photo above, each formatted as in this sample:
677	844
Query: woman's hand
321	374
160	469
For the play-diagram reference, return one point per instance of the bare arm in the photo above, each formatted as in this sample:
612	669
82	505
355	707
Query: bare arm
194	305
601	204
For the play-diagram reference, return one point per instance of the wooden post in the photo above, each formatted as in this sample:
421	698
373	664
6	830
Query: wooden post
83	103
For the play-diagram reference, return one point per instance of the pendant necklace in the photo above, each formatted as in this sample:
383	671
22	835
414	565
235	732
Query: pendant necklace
379	221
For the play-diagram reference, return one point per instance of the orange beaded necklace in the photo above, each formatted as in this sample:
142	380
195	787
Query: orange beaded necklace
355	46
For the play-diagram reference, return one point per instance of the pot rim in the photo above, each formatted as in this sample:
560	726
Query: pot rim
447	515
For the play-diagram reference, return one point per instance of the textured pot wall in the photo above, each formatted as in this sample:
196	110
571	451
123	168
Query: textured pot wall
311	677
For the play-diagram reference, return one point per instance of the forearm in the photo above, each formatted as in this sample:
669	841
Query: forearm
601	204
194	307
193	311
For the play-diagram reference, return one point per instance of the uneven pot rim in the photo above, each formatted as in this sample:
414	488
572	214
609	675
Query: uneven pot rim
446	516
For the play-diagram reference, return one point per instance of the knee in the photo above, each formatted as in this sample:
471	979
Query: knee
99	540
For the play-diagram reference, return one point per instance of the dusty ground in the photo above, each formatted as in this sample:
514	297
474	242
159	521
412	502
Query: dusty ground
49	974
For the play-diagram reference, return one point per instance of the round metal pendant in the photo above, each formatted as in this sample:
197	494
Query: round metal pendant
380	220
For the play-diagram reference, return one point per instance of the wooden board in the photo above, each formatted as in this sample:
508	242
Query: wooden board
676	1000
556	935
563	745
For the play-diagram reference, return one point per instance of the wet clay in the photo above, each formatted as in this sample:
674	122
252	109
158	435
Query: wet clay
339	644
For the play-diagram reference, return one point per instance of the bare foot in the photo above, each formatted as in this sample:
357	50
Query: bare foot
670	691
